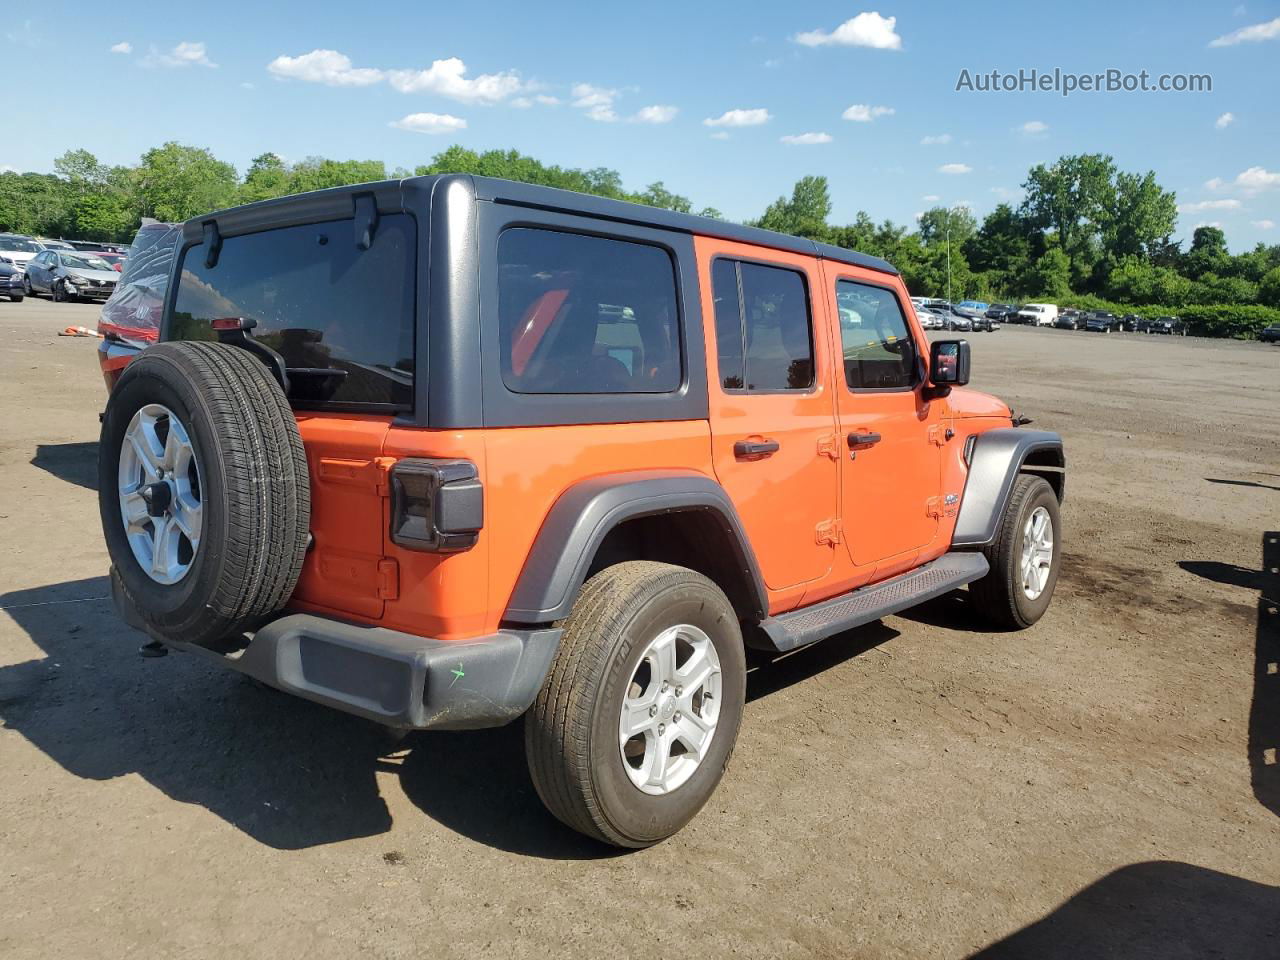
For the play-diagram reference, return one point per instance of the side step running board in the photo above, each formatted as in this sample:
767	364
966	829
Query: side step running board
789	631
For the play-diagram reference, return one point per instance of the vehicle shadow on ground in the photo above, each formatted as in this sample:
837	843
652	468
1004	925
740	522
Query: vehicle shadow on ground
289	773
73	462
1159	909
1264	712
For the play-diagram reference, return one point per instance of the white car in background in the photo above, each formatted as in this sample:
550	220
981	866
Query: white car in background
1038	314
17	250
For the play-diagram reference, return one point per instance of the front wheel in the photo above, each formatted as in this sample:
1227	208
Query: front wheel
637	719
59	293
1024	557
15	297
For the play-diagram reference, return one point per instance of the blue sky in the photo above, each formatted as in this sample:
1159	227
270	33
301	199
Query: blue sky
864	93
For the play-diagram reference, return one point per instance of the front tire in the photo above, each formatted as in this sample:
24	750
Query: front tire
637	719
16	297
59	293
1025	558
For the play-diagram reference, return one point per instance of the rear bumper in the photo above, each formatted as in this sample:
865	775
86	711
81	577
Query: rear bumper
393	678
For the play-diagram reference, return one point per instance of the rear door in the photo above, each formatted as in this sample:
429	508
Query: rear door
341	314
890	434
772	423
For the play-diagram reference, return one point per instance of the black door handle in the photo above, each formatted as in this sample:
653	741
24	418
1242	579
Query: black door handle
755	448
863	439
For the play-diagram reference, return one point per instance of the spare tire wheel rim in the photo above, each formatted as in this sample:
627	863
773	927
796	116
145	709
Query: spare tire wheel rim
159	488
1037	552
670	709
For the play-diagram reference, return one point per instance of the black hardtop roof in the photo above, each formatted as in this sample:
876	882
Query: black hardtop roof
260	215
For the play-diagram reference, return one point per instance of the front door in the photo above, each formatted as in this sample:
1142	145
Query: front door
889	431
772	422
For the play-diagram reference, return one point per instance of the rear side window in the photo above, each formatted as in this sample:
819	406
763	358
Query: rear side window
879	353
764	340
583	314
324	304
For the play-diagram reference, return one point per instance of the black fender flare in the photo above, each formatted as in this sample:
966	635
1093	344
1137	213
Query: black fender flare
997	458
582	517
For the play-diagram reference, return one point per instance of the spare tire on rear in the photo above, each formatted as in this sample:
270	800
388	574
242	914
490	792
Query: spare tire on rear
203	490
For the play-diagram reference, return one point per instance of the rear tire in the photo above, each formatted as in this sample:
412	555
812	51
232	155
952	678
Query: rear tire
1004	597
236	476
16	297
588	776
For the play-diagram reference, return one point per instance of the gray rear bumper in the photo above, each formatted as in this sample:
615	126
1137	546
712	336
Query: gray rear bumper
394	678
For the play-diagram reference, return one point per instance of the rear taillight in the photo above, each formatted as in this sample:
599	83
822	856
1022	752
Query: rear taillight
436	505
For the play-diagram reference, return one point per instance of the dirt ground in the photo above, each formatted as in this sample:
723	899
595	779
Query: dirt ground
1103	785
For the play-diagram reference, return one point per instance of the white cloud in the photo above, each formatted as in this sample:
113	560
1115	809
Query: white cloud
1034	128
861	113
967	204
1204	205
720	135
185	54
1256	178
955	168
1264	224
329	67
864	30
806	139
1248	182
1208	223
7	168
246	85
770	64
124	46
524	103
430	123
938	140
1254	34
930	198
658	113
739	118
1004	193
596	101
1225	121
447	78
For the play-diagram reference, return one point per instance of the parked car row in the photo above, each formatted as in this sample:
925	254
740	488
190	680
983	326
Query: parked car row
63	270
968	315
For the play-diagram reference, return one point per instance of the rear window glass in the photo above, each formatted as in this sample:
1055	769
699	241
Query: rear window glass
581	314
320	301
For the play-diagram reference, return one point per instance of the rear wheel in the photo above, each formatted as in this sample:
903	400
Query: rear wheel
203	490
1024	557
635	724
15	297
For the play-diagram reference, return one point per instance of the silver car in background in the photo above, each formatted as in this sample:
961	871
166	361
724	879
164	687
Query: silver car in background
70	275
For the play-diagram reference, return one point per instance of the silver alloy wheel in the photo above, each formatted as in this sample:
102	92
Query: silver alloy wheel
670	709
159	487
1037	552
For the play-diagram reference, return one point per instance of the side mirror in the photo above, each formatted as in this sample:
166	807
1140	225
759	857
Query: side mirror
948	365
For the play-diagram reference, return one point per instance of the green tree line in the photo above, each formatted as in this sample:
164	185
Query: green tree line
1085	232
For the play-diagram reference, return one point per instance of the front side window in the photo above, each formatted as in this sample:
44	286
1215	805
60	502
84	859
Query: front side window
341	316
583	314
879	353
764	341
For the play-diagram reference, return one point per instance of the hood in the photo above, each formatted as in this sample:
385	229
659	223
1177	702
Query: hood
106	276
19	257
966	403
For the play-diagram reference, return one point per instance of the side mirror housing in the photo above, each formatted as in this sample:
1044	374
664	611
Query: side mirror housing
948	366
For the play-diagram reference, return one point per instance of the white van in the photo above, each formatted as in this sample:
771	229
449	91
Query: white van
1038	314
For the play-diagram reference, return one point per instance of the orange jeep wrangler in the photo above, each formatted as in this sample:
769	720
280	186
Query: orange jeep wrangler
450	451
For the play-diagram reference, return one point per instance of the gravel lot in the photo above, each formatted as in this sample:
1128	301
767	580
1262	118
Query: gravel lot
1104	784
